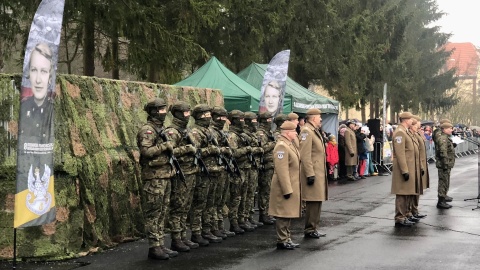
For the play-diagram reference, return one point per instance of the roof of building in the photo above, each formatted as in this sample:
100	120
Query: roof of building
464	57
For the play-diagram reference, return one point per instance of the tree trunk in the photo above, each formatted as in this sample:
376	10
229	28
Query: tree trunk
377	108
362	109
372	108
152	73
89	41
115	58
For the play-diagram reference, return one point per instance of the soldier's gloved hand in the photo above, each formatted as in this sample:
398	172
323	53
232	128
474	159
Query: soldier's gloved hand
423	172
257	150
190	149
213	150
406	176
226	151
310	180
249	149
352	154
287	196
168	146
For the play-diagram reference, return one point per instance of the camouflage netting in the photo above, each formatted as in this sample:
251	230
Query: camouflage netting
97	179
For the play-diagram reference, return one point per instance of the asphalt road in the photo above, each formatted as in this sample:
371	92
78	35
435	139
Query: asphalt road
358	220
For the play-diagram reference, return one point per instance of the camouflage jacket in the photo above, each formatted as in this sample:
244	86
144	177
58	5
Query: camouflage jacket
238	145
178	137
252	140
267	142
154	158
444	152
202	138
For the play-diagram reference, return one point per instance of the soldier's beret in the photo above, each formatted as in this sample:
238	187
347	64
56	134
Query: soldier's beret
314	111
292	116
416	117
405	115
236	114
250	115
288	126
445	121
446	125
265	115
279	119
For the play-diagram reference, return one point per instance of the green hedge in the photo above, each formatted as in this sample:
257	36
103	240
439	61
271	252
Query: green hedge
97	176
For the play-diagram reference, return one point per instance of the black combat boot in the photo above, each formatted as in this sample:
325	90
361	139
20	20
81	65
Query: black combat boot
211	238
265	219
178	245
235	228
247	222
442	204
223	230
157	253
197	238
256	223
245	227
170	252
189	243
220	234
448	198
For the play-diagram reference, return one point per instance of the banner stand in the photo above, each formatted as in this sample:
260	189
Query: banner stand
14	264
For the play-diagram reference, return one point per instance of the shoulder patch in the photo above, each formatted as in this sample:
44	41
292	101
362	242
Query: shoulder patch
280	154
398	139
304	135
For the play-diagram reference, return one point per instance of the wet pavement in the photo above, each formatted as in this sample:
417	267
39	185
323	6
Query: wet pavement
358	220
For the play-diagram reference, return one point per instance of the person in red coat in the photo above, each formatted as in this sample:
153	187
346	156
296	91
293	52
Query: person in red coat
332	156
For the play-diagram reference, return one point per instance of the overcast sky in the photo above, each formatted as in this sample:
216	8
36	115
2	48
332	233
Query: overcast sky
461	20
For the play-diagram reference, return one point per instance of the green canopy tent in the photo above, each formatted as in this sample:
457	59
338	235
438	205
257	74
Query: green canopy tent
237	93
300	98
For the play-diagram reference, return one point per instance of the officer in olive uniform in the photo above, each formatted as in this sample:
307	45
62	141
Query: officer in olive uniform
251	138
405	174
445	160
419	171
220	138
203	206
278	120
240	151
351	155
425	179
156	175
313	173
285	197
182	190
267	142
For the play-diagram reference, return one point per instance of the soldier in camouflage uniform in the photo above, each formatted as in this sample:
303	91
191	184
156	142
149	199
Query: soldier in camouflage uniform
239	151
445	160
436	135
252	139
202	209
278	122
182	191
156	175
267	142
219	138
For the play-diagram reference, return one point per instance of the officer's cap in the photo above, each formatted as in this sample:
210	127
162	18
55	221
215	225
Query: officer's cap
405	115
155	103
292	116
446	125
250	115
314	111
288	126
236	114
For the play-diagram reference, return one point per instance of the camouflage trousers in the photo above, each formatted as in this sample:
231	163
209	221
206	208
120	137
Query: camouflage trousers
157	198
236	197
220	197
202	200
243	208
180	202
264	183
443	182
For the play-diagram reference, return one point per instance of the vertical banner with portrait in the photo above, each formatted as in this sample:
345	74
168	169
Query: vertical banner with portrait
34	198
273	86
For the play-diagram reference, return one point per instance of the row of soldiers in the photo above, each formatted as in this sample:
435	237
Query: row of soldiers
189	173
410	176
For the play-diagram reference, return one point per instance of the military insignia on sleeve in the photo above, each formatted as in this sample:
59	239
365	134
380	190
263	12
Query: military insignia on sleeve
280	154
398	139
304	135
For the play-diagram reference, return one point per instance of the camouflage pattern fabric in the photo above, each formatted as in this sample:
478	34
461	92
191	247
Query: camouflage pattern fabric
236	192
264	183
180	202
198	210
443	182
155	207
445	160
220	190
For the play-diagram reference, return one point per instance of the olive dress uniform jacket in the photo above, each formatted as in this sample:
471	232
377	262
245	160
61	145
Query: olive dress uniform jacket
285	180
405	160
350	147
423	160
312	155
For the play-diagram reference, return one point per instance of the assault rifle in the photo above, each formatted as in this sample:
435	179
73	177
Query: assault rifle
198	156
222	160
173	159
249	155
262	160
232	161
